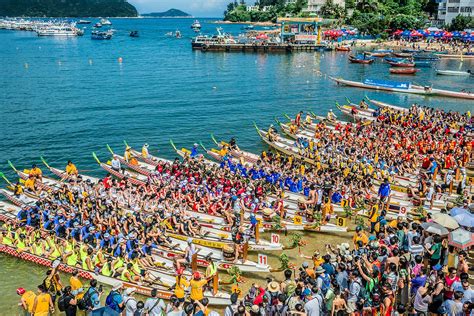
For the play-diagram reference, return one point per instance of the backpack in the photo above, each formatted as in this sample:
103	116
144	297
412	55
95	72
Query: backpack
109	301
62	305
326	283
85	303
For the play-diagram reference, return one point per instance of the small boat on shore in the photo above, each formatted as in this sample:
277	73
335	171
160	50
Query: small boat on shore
402	55
361	59
344	48
454	73
380	53
403	71
402	63
403	87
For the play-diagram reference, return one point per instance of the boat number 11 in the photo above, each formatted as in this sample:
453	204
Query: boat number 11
262	259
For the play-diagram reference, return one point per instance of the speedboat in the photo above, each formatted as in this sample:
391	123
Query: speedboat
454	73
101	35
97	25
105	22
177	34
196	26
83	22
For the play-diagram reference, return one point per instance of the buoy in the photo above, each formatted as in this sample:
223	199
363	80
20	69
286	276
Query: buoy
90	61
120	60
26	66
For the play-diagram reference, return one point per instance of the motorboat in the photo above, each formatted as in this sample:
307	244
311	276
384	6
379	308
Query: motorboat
177	34
204	41
196	26
134	34
83	22
454	73
101	35
105	22
97	25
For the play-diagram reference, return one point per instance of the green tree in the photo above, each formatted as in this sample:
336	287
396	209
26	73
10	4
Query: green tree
331	10
461	22
405	22
368	6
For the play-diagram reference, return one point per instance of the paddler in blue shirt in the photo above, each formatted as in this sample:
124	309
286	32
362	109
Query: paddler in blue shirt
194	151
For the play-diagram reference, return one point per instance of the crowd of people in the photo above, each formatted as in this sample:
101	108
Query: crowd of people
112	227
402	270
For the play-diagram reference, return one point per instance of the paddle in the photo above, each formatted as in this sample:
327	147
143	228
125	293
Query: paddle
214	140
2	175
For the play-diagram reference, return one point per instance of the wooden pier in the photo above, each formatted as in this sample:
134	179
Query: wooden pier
266	48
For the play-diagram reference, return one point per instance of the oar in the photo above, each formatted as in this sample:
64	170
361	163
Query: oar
286	115
110	149
214	140
348	100
173	145
205	149
12	166
278	122
45	163
2	175
96	159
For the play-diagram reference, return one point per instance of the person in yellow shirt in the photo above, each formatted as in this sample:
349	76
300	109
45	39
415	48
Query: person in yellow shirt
145	153
30	183
36	172
77	287
71	169
181	285
43	303
27	299
359	236
197	287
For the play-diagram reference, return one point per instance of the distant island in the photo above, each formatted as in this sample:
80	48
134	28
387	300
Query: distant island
67	8
171	13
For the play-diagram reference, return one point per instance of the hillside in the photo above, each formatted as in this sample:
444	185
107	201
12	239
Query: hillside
67	8
171	13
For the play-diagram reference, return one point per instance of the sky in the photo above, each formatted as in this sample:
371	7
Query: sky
199	8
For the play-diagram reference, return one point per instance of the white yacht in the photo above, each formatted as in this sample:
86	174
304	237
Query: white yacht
105	22
59	30
196	25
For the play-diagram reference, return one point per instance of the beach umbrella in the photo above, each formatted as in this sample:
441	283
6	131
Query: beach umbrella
435	228
445	220
461	238
262	36
458	210
466	219
406	33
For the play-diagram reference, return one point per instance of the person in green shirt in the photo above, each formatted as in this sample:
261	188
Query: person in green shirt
435	251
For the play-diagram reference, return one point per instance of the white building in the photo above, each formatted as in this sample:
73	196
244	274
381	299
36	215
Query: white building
449	9
267	8
251	8
314	6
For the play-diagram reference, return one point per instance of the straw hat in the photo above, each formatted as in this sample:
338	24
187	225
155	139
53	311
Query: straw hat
267	211
255	308
319	270
273	286
130	290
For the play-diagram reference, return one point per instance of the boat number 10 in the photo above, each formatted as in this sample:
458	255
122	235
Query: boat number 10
275	239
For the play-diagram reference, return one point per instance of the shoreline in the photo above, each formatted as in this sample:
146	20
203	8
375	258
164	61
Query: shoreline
247	23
